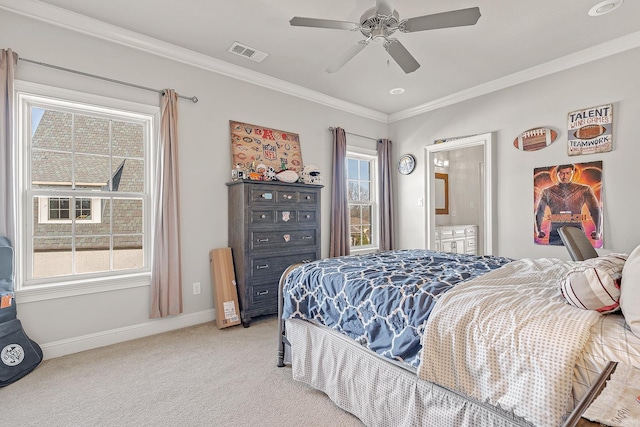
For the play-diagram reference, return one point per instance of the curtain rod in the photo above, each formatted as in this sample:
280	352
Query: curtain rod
193	99
331	128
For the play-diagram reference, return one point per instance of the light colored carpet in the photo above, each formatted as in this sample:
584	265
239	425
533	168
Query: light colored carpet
197	376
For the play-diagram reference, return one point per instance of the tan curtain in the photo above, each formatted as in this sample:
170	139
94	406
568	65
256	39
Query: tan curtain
385	195
339	232
166	275
8	63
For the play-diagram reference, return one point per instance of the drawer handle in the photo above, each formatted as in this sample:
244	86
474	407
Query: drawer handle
308	197
307	237
263	240
262	267
263	216
267	196
307	216
262	293
287	197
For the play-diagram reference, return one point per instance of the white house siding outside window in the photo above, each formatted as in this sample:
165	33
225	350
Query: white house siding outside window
85	188
361	195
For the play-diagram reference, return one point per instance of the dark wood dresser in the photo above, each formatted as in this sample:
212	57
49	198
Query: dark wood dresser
271	226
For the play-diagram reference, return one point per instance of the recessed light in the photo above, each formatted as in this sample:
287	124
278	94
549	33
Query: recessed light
605	7
397	91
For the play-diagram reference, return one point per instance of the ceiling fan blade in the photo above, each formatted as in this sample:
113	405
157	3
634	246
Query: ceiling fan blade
454	18
385	7
402	56
298	21
346	56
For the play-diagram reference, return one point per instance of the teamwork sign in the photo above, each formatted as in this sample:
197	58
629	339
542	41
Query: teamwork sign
589	131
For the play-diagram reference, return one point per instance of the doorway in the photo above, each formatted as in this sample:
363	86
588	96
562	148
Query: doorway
486	187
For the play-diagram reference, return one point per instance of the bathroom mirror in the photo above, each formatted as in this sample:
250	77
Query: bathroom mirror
442	194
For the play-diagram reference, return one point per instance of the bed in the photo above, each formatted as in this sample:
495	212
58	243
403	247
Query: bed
414	337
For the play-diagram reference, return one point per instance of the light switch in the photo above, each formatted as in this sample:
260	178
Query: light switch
420	202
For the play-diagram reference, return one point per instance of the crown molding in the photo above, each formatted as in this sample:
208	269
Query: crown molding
575	59
73	21
76	22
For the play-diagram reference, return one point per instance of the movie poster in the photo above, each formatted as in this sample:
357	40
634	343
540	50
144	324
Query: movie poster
568	194
590	131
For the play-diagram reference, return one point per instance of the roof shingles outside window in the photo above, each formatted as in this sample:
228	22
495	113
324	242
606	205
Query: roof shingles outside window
54	163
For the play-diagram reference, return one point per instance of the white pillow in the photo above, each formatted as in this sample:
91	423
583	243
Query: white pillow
630	291
594	284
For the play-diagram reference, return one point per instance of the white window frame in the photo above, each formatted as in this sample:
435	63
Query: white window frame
369	155
35	289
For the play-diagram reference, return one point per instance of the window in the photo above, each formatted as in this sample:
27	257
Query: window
361	196
85	189
58	210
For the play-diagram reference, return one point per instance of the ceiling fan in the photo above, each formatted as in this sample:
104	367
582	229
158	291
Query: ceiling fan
380	22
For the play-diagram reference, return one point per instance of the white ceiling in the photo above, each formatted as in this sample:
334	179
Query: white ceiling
514	40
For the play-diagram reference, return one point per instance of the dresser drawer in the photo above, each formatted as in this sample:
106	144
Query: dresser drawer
262	195
287	196
273	266
308	198
265	294
282	239
308	217
262	216
287	216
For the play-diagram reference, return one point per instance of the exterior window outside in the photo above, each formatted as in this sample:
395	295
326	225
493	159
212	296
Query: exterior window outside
361	192
86	197
58	210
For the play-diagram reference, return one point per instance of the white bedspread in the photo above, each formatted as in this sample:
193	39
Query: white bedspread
508	338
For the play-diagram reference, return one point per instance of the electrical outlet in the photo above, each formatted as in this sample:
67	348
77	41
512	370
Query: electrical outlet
196	288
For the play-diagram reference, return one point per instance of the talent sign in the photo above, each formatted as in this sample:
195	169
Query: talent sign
589	131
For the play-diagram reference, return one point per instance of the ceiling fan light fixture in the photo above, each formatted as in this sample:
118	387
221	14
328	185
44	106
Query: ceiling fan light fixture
397	91
377	24
605	7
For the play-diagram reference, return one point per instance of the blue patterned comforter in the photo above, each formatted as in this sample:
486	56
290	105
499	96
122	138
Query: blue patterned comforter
380	300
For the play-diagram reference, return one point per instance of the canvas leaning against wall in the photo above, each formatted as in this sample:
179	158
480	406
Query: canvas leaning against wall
568	194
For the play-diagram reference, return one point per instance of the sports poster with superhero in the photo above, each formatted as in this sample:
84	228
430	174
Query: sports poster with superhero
568	194
252	145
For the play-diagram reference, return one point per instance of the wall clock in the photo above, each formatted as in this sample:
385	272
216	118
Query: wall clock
406	164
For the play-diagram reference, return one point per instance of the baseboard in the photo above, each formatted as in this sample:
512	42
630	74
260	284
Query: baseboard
114	336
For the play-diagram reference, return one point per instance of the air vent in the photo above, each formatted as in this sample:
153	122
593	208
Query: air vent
247	52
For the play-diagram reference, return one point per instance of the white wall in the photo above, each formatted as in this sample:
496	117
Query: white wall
543	102
205	158
464	187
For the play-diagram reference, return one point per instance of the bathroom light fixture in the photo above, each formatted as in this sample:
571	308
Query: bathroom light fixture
397	91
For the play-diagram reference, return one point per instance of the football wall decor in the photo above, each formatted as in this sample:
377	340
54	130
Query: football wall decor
252	145
535	139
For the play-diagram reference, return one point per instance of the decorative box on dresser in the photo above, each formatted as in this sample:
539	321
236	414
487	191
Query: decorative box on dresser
271	226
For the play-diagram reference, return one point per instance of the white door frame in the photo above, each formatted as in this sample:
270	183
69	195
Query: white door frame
484	140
